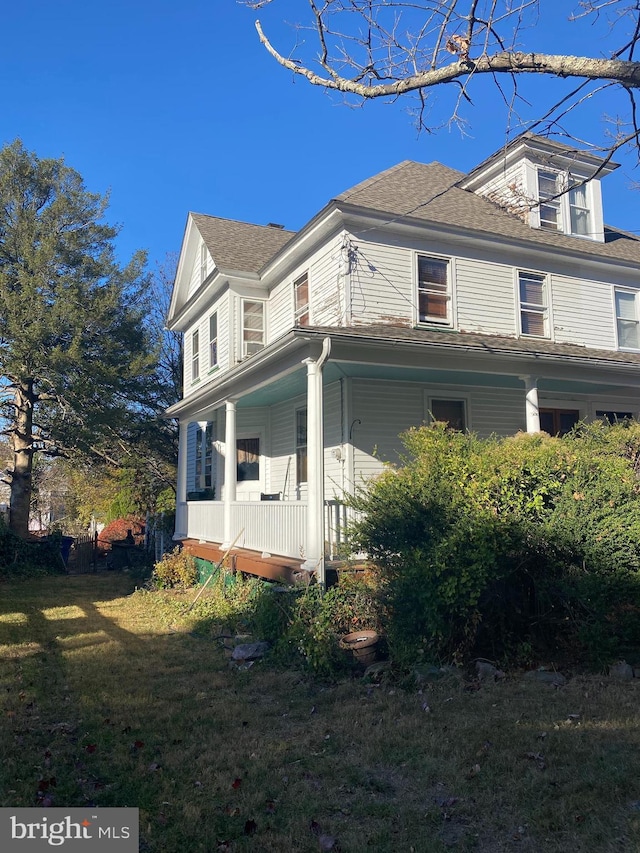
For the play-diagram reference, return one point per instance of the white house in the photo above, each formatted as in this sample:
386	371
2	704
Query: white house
497	301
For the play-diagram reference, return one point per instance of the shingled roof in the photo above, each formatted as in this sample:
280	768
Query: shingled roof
240	246
429	193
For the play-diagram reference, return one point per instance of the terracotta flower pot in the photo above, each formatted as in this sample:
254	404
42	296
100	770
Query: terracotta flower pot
363	645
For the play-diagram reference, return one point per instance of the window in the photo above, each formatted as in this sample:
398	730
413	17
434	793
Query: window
433	290
579	215
627	319
533	307
548	188
203	262
613	417
564	207
558	421
301	446
252	327
450	412
248	459
204	457
195	355
301	294
213	341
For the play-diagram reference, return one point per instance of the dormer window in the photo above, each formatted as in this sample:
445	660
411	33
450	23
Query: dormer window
562	209
548	190
579	213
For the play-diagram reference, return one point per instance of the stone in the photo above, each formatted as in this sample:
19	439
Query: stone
621	671
544	676
377	671
250	651
487	671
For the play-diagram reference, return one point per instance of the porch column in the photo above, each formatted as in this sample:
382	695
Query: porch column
531	403
315	466
230	470
181	530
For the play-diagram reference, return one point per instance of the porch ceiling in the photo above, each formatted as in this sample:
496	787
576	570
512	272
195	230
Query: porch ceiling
295	384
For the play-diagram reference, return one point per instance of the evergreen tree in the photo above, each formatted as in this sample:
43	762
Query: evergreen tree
75	353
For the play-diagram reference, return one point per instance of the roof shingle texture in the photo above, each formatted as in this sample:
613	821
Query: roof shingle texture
428	192
240	246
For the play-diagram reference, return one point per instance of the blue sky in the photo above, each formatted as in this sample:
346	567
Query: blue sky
176	107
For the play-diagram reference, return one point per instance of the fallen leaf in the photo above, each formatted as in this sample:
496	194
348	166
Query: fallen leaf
270	807
314	826
91	747
153	767
236	783
136	745
327	842
250	827
232	811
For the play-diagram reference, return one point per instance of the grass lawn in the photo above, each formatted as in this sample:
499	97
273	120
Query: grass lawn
113	699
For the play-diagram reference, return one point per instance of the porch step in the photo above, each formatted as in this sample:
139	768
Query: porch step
283	569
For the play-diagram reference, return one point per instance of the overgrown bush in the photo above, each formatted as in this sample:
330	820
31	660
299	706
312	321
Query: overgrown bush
25	558
488	545
116	531
176	570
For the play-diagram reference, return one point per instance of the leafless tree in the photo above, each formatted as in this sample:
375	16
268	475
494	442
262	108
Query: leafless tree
369	49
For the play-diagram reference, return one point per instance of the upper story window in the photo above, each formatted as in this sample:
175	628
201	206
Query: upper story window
301	294
213	341
433	290
627	319
252	326
203	262
579	213
548	188
195	355
534	313
564	207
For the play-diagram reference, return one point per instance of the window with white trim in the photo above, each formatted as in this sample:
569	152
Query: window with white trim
565	203
532	299
449	411
252	326
203	262
195	355
204	457
627	319
549	186
213	340
434	298
248	459
301	297
301	446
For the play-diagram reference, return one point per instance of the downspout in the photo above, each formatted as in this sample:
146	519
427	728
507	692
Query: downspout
315	448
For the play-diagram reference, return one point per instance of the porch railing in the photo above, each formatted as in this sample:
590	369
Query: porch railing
274	527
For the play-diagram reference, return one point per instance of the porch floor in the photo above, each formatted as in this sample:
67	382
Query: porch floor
274	568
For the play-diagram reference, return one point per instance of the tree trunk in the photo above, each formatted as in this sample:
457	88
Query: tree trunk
22	446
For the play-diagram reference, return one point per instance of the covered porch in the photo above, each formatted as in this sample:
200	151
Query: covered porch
358	389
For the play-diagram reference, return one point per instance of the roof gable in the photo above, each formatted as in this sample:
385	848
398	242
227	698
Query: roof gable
240	246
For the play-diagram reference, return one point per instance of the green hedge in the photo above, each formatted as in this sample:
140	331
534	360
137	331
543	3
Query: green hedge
498	545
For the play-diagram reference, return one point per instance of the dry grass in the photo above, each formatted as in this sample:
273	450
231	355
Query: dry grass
104	702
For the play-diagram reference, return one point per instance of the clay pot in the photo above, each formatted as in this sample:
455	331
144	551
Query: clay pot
363	645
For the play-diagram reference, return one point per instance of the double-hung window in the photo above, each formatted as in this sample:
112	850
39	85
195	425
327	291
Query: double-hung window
627	319
579	213
534	312
213	341
434	299
252	326
195	355
301	295
550	206
204	457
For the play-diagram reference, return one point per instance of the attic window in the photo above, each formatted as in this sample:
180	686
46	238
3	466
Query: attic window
565	204
203	262
301	292
252	326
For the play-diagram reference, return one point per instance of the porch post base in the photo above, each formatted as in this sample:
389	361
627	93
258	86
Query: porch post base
314	567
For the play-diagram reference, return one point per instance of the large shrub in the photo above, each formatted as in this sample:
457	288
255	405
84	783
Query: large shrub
490	545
